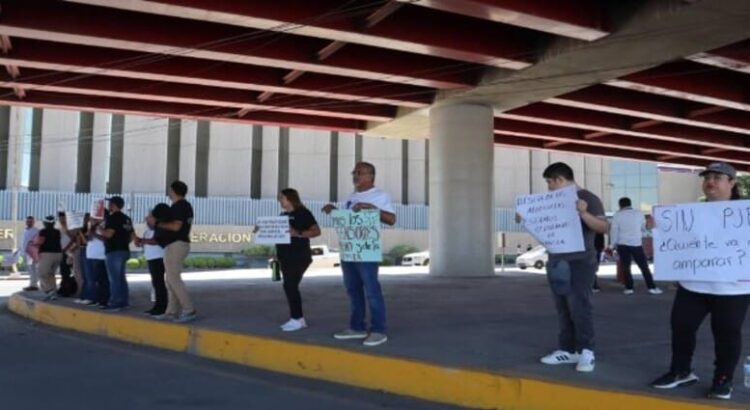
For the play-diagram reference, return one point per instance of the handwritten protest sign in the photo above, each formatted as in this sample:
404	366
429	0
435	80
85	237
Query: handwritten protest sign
74	220
97	209
272	230
359	235
552	219
702	241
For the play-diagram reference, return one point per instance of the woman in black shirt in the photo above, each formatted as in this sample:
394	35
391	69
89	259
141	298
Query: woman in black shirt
295	257
50	256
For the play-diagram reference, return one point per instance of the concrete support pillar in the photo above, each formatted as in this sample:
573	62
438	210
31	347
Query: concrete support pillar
462	234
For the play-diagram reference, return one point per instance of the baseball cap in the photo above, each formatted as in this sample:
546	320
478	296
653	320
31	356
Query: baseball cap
720	168
49	219
117	201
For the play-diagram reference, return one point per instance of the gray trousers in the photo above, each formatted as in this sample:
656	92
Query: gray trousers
574	309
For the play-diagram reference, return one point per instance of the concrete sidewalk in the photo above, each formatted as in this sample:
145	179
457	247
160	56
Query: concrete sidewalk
498	325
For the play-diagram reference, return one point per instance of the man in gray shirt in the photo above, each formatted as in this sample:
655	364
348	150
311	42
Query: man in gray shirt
577	271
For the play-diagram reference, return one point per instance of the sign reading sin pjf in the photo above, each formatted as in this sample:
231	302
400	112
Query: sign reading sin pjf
552	219
359	235
272	230
702	241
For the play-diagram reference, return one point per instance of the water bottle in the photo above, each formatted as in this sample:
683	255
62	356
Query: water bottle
747	372
275	268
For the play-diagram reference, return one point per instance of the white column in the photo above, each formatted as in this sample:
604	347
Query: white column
269	184
417	158
144	155
309	163
462	237
188	146
102	135
59	158
346	165
385	155
230	156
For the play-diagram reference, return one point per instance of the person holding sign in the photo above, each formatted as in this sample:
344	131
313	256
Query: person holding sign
295	257
361	278
117	234
726	302
571	275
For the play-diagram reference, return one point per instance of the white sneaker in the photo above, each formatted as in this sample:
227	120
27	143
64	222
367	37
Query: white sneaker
83	301
628	292
586	361
655	291
294	324
560	357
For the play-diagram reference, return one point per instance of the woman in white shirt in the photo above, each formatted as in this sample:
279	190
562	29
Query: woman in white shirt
154	254
726	302
96	258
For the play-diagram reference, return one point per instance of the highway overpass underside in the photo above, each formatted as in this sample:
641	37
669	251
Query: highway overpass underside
652	80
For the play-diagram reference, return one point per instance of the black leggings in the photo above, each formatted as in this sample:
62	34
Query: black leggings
156	269
292	272
727	315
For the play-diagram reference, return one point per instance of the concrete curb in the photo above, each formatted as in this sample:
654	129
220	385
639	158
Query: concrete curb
462	387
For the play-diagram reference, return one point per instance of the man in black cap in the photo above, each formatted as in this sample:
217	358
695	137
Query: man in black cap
117	234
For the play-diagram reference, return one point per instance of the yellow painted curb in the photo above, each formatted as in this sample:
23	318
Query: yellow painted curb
463	387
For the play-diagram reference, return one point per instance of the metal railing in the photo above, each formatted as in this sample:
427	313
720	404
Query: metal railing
214	210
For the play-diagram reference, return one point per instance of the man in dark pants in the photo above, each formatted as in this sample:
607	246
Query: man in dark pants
627	236
573	305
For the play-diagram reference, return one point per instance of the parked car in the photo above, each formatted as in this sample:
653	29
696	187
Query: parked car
322	256
416	259
536	257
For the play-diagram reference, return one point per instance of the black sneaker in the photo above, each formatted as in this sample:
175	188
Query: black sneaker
30	288
674	379
721	389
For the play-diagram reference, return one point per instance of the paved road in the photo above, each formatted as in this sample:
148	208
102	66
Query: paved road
46	368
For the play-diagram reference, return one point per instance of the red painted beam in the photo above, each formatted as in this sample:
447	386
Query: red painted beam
104	27
733	57
538	144
583	20
613	100
693	82
79	102
602	124
41	80
561	135
409	29
97	60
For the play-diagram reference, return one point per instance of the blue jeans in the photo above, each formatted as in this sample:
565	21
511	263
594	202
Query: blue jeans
118	284
361	280
88	291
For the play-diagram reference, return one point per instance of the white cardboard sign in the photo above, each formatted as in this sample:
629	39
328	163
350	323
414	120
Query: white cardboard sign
272	230
707	241
553	220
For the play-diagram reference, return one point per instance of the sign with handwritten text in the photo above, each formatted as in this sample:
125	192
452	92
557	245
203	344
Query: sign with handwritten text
74	220
702	241
552	219
272	230
359	235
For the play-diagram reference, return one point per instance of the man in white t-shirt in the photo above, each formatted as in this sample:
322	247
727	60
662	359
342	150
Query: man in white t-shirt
29	234
361	278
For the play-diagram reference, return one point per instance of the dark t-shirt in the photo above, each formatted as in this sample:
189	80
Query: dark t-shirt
123	227
182	211
51	241
595	208
299	250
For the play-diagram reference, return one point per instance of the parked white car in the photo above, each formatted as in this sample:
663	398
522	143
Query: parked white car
536	257
416	259
322	258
